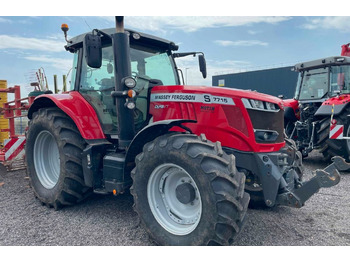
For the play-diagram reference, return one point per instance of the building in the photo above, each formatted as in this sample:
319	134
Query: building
276	81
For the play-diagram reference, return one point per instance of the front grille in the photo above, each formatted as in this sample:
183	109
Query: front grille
265	120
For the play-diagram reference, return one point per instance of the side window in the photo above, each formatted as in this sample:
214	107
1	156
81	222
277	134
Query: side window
340	79
98	79
96	85
73	71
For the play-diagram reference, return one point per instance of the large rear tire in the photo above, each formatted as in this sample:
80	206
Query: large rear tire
53	153
187	191
334	147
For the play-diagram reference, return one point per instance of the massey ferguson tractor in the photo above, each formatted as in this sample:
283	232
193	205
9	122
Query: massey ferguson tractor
319	115
192	156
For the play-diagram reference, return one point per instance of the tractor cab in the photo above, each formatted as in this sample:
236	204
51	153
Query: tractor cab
323	78
95	71
322	94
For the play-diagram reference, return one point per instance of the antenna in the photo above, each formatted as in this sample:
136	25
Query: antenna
87	24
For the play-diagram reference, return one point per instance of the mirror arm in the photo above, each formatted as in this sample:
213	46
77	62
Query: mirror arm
99	32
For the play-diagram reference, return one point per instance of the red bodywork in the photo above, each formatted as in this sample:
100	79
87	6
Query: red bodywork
80	111
294	104
337	100
224	119
345	50
217	117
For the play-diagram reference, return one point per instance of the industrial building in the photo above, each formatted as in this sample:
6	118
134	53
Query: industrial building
276	81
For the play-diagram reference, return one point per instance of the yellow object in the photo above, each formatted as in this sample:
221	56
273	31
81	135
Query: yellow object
64	27
4	123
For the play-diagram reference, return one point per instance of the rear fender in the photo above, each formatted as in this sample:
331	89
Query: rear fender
339	102
77	108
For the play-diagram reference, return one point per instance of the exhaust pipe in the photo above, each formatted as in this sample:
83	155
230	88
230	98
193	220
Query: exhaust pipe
119	24
121	48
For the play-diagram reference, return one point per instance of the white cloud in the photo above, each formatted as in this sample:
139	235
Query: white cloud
5	20
340	23
17	42
253	32
59	63
190	68
195	23
240	43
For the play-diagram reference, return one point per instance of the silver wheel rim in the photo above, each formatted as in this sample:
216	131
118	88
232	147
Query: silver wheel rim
174	216
348	140
46	159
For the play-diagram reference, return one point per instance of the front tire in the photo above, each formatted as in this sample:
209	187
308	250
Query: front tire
334	147
53	153
187	191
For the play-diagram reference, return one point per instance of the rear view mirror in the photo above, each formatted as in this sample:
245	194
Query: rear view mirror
93	50
202	65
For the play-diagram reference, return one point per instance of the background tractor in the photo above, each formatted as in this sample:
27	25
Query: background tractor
128	123
318	116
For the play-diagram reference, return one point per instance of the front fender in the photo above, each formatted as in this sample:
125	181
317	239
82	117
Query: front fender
76	107
289	115
291	110
147	134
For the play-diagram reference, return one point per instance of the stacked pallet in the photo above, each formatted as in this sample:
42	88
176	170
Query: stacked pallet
4	123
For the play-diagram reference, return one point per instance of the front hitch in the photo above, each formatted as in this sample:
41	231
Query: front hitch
340	163
327	177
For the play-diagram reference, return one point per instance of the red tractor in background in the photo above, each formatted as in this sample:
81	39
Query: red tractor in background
319	115
127	122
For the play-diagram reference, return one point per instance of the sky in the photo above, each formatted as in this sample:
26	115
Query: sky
231	43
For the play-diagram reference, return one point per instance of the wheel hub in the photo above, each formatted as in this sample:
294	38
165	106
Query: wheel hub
185	193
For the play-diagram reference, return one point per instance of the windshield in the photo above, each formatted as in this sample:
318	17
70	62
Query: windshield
340	79
153	64
314	84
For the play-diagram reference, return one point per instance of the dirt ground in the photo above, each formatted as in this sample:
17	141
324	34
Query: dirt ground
110	221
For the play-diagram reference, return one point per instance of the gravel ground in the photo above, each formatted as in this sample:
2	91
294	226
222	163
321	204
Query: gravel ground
107	220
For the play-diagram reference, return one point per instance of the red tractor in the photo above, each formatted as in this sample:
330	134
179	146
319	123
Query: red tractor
127	123
318	116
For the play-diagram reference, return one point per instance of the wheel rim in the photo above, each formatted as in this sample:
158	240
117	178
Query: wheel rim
348	140
174	199
46	159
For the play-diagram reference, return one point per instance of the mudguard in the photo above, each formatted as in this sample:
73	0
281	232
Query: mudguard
76	107
326	110
339	103
291	110
147	134
289	115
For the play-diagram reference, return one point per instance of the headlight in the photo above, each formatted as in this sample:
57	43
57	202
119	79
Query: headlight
260	105
265	136
129	82
130	105
257	104
271	106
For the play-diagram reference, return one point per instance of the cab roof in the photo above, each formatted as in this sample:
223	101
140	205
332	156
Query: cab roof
323	62
145	39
